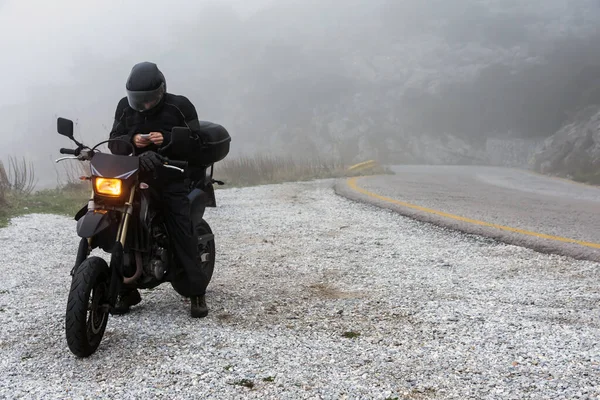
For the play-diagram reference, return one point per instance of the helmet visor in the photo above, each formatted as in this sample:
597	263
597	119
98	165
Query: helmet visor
145	100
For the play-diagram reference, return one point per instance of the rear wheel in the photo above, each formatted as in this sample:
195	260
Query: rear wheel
205	257
87	307
206	249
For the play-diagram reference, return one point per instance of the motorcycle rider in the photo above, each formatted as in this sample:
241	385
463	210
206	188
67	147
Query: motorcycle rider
149	109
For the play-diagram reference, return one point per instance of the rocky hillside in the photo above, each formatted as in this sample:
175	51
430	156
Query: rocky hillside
431	81
574	151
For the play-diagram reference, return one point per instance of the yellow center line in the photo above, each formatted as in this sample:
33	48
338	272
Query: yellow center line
354	186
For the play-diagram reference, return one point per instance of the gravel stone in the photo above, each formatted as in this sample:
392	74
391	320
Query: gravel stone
314	297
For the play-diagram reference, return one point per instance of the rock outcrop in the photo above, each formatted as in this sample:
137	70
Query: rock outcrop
573	151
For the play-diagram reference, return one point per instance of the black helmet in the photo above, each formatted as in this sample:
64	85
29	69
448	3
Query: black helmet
146	86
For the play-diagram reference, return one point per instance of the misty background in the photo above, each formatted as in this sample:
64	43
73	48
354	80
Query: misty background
499	82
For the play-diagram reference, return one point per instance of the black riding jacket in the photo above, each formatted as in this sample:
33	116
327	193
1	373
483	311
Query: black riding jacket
172	111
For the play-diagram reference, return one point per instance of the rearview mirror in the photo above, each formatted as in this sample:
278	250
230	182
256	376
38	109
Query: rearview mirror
65	127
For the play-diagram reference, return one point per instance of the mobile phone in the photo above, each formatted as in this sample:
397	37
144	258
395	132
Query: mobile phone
145	135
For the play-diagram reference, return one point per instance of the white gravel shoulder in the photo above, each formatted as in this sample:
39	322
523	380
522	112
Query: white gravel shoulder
438	314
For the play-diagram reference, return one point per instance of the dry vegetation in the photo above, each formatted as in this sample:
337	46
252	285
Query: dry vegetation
4	185
260	170
18	179
17	183
18	195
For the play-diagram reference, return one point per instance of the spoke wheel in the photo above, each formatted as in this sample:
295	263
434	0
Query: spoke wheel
87	307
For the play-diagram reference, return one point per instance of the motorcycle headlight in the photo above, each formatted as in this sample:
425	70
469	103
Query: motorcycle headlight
108	186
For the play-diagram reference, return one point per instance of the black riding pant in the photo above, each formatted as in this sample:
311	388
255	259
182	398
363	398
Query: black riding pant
188	277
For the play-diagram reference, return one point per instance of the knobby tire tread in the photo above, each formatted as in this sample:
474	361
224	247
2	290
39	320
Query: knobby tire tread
76	315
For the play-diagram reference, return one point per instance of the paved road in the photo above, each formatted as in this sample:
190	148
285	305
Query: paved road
519	207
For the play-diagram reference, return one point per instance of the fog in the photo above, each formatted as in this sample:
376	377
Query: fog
394	79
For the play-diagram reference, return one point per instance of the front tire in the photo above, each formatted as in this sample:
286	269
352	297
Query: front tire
87	307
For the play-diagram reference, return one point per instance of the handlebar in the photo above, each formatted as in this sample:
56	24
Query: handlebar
69	151
176	163
86	154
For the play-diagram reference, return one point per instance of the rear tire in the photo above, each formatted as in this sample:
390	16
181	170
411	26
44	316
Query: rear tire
206	252
205	259
86	319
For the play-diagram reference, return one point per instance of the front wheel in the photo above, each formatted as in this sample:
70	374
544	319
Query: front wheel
87	307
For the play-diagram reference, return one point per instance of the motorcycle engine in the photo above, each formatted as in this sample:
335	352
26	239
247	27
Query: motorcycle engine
158	260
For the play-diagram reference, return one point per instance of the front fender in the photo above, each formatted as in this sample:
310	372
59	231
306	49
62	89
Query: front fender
92	223
81	212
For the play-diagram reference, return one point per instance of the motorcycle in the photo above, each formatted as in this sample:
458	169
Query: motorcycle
121	219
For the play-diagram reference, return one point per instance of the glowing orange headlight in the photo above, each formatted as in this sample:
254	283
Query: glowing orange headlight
108	186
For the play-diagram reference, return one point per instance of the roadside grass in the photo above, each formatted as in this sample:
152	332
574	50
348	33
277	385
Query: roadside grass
17	195
263	170
17	183
590	178
62	201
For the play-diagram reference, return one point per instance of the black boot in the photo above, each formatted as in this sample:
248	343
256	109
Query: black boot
198	309
126	299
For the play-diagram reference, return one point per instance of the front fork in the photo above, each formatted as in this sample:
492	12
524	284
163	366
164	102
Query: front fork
85	246
116	260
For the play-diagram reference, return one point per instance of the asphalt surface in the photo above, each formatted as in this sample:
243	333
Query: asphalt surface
528	207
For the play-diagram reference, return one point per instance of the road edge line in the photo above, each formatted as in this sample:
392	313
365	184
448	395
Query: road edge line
353	185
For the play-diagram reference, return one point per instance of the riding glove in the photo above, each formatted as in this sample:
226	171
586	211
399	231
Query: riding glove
149	160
